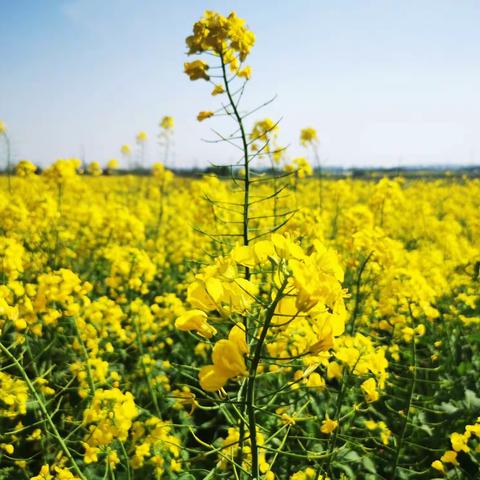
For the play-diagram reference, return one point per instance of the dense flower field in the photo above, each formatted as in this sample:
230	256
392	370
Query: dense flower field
370	359
275	324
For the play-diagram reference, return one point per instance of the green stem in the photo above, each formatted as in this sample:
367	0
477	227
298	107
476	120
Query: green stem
333	439
144	367
246	205
252	374
91	382
246	181
407	411
358	284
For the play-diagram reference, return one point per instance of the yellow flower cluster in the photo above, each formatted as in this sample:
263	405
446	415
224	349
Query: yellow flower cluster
54	473
155	444
307	317
11	258
226	38
308	474
13	396
99	286
363	358
167	122
62	171
109	417
24	168
308	136
228	361
468	441
94	169
300	167
230	451
381	427
59	294
130	269
223	36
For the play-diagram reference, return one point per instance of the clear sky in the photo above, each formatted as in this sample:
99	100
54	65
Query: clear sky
384	82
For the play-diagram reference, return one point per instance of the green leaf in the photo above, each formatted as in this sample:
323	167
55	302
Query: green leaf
471	399
474	337
368	465
449	408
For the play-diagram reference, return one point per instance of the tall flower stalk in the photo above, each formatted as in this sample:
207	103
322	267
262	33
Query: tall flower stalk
222	288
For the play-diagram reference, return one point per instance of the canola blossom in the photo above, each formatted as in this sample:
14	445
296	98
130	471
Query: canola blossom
275	323
108	306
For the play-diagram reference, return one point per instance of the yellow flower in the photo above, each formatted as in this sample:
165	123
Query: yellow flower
110	417
218	90
369	388
8	448
126	150
141	137
302	166
91	453
113	459
315	381
262	129
371	424
3	127
64	474
245	73
328	426
204	115
205	295
196	70
35	435
459	441
475	429
221	35
44	474
210	379
228	359
438	465
449	457
253	255
167	123
94	169
13	396
112	164
324	341
308	135
307	474
24	168
195	320
237	336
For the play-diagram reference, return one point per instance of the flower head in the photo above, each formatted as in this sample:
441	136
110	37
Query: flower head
142	137
204	115
126	150
328	425
112	164
24	168
369	388
167	123
218	90
196	70
308	136
218	34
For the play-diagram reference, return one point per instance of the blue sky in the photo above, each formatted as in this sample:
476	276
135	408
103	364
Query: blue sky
384	82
